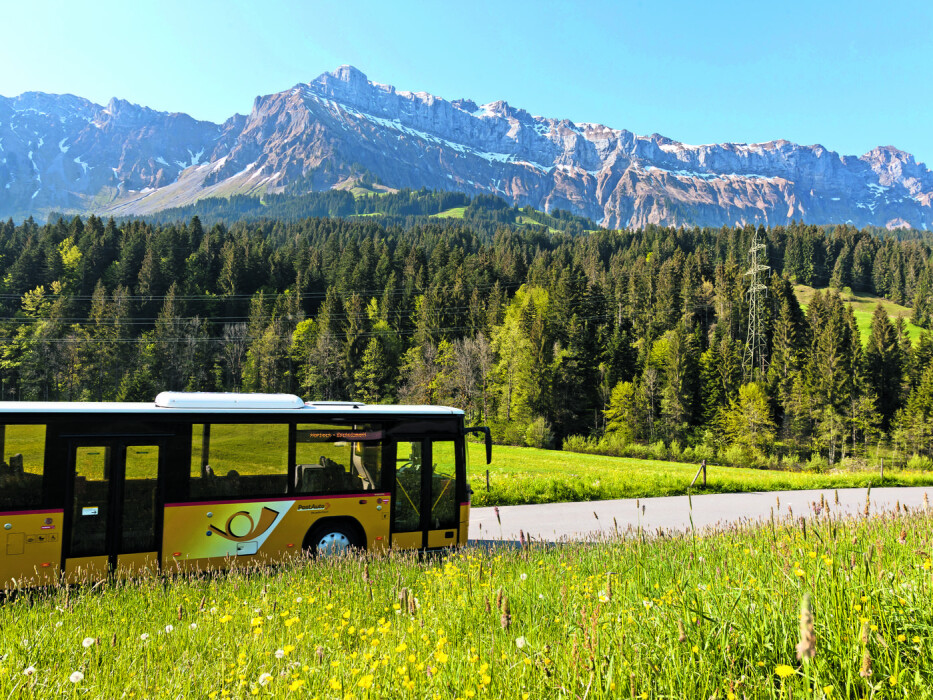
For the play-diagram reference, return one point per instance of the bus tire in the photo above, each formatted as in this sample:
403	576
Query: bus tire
332	537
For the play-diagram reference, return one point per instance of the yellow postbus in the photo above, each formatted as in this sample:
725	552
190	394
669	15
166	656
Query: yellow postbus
195	481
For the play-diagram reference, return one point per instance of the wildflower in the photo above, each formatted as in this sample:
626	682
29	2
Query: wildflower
524	577
88	642
827	690
169	629
226	618
441	657
295	685
144	636
520	642
366	681
265	678
29	670
783	671
193	626
280	653
76	677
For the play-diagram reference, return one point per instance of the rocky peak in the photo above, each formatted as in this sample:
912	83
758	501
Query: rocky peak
317	134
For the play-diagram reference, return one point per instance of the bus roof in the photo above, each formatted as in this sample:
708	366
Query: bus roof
168	403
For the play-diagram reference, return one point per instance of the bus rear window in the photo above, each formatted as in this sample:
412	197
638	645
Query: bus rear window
22	454
238	460
337	458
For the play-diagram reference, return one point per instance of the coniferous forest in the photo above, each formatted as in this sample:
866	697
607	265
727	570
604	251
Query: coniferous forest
624	342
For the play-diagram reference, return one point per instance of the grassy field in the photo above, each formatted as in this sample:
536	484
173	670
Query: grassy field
716	616
520	475
863	306
455	213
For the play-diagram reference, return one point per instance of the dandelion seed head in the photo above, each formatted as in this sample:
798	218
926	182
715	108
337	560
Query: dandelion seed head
76	677
88	642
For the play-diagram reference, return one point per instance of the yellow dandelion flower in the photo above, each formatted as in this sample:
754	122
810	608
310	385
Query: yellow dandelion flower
783	671
366	681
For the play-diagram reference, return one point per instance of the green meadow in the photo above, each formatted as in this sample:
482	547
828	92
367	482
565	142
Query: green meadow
520	475
824	608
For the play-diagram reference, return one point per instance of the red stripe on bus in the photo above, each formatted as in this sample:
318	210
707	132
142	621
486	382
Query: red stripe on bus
367	494
30	512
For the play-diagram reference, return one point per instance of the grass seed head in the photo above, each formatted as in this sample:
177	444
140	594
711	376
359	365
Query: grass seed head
865	670
506	620
806	646
403	599
682	632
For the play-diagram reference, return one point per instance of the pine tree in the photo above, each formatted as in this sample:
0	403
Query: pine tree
884	366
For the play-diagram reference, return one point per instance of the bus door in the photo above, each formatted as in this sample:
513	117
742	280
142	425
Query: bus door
113	518
424	497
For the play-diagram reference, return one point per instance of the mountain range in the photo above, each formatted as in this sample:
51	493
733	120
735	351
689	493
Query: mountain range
67	154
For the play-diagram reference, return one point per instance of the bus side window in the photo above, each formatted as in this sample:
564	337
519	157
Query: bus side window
328	459
242	460
22	456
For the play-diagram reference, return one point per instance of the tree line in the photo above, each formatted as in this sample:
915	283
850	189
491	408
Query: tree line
605	341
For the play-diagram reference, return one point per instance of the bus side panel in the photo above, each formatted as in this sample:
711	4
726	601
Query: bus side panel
211	534
30	548
464	522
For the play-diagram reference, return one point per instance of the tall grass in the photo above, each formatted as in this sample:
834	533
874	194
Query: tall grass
672	616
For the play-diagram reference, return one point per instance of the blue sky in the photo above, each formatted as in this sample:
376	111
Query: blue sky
848	75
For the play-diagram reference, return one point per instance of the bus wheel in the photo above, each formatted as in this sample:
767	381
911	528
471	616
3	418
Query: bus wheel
330	540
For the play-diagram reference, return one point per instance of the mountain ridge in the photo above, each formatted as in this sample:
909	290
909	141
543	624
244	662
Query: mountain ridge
126	159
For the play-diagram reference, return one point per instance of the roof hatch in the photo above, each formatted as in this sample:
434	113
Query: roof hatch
208	400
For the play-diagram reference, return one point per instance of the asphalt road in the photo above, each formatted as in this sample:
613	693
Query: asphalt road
575	521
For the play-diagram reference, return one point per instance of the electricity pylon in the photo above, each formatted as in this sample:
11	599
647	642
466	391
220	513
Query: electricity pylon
755	362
